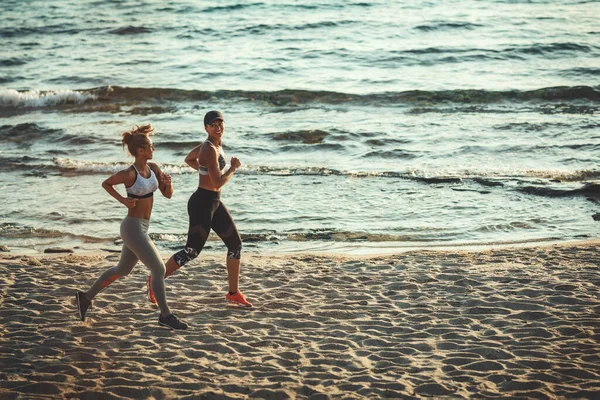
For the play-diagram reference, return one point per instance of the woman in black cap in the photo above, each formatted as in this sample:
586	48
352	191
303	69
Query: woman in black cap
206	210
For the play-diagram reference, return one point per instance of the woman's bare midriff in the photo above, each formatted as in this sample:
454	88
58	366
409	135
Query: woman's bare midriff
206	183
142	209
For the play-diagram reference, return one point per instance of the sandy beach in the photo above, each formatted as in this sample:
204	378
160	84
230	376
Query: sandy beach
520	323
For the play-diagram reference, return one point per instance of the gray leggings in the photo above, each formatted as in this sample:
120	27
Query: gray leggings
137	245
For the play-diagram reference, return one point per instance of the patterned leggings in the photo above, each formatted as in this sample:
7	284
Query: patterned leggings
206	211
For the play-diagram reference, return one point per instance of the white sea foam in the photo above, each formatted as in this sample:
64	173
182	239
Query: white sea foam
38	98
93	167
88	166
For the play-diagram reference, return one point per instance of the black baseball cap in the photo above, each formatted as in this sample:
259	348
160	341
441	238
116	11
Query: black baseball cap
212	116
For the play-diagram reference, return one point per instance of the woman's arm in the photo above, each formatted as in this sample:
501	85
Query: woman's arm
212	159
192	158
120	177
165	184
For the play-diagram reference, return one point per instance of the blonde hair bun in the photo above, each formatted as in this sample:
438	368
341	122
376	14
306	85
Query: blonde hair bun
136	137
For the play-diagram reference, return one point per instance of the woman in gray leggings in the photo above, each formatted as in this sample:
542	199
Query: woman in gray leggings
141	180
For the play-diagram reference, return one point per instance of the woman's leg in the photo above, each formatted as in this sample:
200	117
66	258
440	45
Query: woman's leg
140	243
201	206
137	245
126	264
224	226
142	246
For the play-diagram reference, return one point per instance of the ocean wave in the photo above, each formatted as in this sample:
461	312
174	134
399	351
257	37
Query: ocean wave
10	98
334	235
557	176
328	235
131	30
178	9
392	154
447	54
78	167
486	178
551	108
532	126
582	72
562	108
15	231
304	136
261	28
72	167
115	98
550	48
591	190
232	7
43	30
177	145
14	61
175	240
294	97
26	134
445	25
76	80
9	79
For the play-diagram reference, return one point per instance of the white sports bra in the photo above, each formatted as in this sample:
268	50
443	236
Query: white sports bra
202	170
142	187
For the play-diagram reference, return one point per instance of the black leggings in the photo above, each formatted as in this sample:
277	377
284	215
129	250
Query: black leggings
206	211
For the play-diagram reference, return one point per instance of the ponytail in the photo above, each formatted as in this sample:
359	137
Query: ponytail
136	137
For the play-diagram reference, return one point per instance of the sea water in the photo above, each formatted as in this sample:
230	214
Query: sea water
362	126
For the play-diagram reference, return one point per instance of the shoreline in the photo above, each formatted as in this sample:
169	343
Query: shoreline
499	323
367	252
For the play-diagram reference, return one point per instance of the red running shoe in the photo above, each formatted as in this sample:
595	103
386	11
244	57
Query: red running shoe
238	298
149	292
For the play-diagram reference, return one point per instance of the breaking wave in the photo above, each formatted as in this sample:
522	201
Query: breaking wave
111	98
10	98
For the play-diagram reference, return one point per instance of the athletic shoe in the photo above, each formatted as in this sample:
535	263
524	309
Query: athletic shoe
172	322
238	298
82	304
149	291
